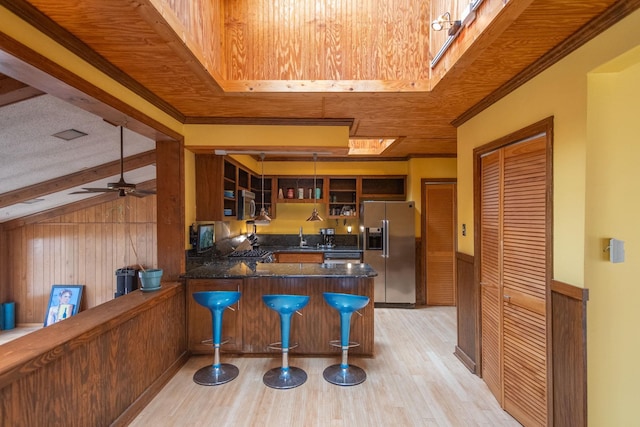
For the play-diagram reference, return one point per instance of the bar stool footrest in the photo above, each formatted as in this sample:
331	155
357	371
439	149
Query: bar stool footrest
209	341
336	343
278	346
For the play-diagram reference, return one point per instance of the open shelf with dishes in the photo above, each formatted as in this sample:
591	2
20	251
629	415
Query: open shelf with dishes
343	200
300	189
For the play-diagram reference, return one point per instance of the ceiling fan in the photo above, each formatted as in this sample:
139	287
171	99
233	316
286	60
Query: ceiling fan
122	187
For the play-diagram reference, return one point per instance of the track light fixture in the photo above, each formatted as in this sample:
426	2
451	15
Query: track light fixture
445	19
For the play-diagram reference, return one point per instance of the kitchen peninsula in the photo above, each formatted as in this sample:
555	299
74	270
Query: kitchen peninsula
253	326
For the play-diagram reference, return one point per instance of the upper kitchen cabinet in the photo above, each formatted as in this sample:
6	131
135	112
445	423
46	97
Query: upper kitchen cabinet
300	189
218	180
343	197
257	188
387	187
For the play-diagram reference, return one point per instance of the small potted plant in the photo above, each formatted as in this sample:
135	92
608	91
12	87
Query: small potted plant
149	279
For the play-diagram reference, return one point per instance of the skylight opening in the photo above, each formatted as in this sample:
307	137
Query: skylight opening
369	146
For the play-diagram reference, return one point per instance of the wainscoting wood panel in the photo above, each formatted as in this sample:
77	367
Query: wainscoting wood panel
467	304
98	368
569	335
84	247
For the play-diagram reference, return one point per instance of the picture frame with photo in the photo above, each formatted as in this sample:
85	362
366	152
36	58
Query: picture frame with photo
64	302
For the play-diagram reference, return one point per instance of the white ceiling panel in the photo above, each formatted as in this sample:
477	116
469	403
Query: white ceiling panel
29	154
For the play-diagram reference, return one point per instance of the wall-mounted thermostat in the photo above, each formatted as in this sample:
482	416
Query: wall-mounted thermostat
616	250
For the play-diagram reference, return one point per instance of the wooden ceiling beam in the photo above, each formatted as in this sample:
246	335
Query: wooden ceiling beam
12	91
78	178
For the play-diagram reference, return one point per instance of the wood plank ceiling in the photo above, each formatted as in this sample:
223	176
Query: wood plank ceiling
310	61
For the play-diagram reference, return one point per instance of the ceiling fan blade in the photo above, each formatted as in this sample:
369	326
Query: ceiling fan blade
136	194
94	190
145	192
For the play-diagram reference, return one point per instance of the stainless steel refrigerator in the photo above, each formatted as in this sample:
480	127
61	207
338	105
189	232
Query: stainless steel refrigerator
388	230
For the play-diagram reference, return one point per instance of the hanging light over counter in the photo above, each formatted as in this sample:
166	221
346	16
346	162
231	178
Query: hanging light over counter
315	216
262	218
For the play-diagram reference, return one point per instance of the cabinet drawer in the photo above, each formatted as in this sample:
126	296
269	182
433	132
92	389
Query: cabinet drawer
304	257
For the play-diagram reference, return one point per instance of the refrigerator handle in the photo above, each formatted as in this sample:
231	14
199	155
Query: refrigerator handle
385	238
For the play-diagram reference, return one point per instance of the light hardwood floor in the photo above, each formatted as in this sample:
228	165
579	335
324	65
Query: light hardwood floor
413	380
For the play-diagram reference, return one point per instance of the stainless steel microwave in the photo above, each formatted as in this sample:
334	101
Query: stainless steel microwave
246	204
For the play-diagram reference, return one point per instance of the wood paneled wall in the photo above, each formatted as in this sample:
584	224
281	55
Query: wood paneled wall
467	301
326	40
84	247
98	368
201	25
569	335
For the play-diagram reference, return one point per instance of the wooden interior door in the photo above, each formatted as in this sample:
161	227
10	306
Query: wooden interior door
524	278
491	272
440	243
514	276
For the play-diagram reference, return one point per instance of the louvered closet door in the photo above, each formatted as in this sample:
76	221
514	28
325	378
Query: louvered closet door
440	250
524	281
490	272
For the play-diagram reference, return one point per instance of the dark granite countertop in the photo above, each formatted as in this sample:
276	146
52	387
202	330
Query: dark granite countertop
311	248
225	269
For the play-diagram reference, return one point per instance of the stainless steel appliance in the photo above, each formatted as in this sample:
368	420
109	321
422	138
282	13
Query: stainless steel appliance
342	257
389	247
246	204
328	237
256	254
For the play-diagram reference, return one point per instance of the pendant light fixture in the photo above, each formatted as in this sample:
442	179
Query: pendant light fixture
314	215
262	218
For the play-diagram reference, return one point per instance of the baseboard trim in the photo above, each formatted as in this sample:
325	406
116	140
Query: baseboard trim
465	359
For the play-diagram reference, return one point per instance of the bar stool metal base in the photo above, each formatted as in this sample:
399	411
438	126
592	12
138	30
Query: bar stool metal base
351	375
212	375
281	378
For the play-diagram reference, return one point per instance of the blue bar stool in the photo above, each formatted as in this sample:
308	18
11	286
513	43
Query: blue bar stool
285	376
216	302
343	373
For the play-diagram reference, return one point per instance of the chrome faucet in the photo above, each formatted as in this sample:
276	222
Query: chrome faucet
303	242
